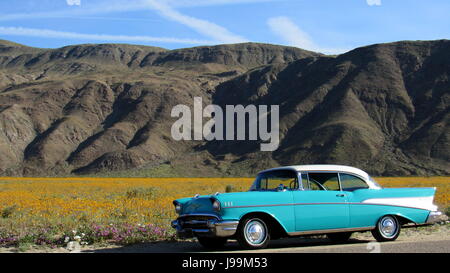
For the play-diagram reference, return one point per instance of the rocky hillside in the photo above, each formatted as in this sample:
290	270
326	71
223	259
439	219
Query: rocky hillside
105	109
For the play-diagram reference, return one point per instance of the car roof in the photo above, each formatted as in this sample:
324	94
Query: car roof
324	167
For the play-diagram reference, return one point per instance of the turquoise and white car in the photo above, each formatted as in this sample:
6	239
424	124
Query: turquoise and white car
304	200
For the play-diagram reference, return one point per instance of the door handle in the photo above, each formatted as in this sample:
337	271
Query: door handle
340	195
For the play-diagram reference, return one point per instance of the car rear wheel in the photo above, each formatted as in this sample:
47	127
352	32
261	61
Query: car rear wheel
387	229
340	237
253	233
212	243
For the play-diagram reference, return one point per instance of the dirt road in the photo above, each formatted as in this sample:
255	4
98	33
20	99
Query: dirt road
296	246
425	239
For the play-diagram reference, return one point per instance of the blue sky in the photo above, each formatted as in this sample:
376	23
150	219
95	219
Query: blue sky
328	26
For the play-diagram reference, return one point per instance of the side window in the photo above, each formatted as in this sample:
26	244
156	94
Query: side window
310	184
315	186
323	181
351	182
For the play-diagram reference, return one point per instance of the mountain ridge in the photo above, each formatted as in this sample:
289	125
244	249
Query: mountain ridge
89	109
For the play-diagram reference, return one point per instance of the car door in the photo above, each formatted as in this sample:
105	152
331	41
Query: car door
321	204
356	190
275	195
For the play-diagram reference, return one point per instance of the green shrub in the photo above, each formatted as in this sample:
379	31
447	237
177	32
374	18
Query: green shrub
8	211
144	193
230	188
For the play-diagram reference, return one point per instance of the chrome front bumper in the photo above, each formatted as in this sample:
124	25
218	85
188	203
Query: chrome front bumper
209	228
434	217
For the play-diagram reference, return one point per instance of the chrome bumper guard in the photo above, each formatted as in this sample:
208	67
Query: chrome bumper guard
214	228
434	217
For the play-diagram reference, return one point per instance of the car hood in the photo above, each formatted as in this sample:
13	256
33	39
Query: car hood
203	204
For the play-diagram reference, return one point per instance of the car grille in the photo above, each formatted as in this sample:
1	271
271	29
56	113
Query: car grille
195	221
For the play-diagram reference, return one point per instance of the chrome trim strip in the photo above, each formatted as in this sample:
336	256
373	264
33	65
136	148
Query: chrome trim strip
227	223
299	181
324	203
201	214
324	231
339	181
278	205
229	228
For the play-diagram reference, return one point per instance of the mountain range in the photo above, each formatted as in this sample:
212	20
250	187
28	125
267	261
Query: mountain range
105	109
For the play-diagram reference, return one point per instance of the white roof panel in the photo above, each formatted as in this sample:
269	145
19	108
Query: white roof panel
324	167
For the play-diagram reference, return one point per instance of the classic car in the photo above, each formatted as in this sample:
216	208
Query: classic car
304	200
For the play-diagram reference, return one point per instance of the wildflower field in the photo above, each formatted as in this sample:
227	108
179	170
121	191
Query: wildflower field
53	211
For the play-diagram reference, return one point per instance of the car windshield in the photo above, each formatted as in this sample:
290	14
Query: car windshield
275	181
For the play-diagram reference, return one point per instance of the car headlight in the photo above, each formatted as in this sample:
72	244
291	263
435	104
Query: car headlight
177	207
216	205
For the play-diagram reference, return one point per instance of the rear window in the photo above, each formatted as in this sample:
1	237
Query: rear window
350	182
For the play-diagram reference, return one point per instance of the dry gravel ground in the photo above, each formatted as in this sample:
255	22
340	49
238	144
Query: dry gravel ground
424	239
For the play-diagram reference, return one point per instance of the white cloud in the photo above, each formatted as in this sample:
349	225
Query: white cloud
86	9
290	32
211	30
202	3
373	2
73	2
47	33
204	27
116	6
294	36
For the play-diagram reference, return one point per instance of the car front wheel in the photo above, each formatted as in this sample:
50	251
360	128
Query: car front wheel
387	229
253	233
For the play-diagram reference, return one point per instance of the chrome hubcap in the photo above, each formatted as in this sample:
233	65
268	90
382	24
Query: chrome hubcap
388	226
255	232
